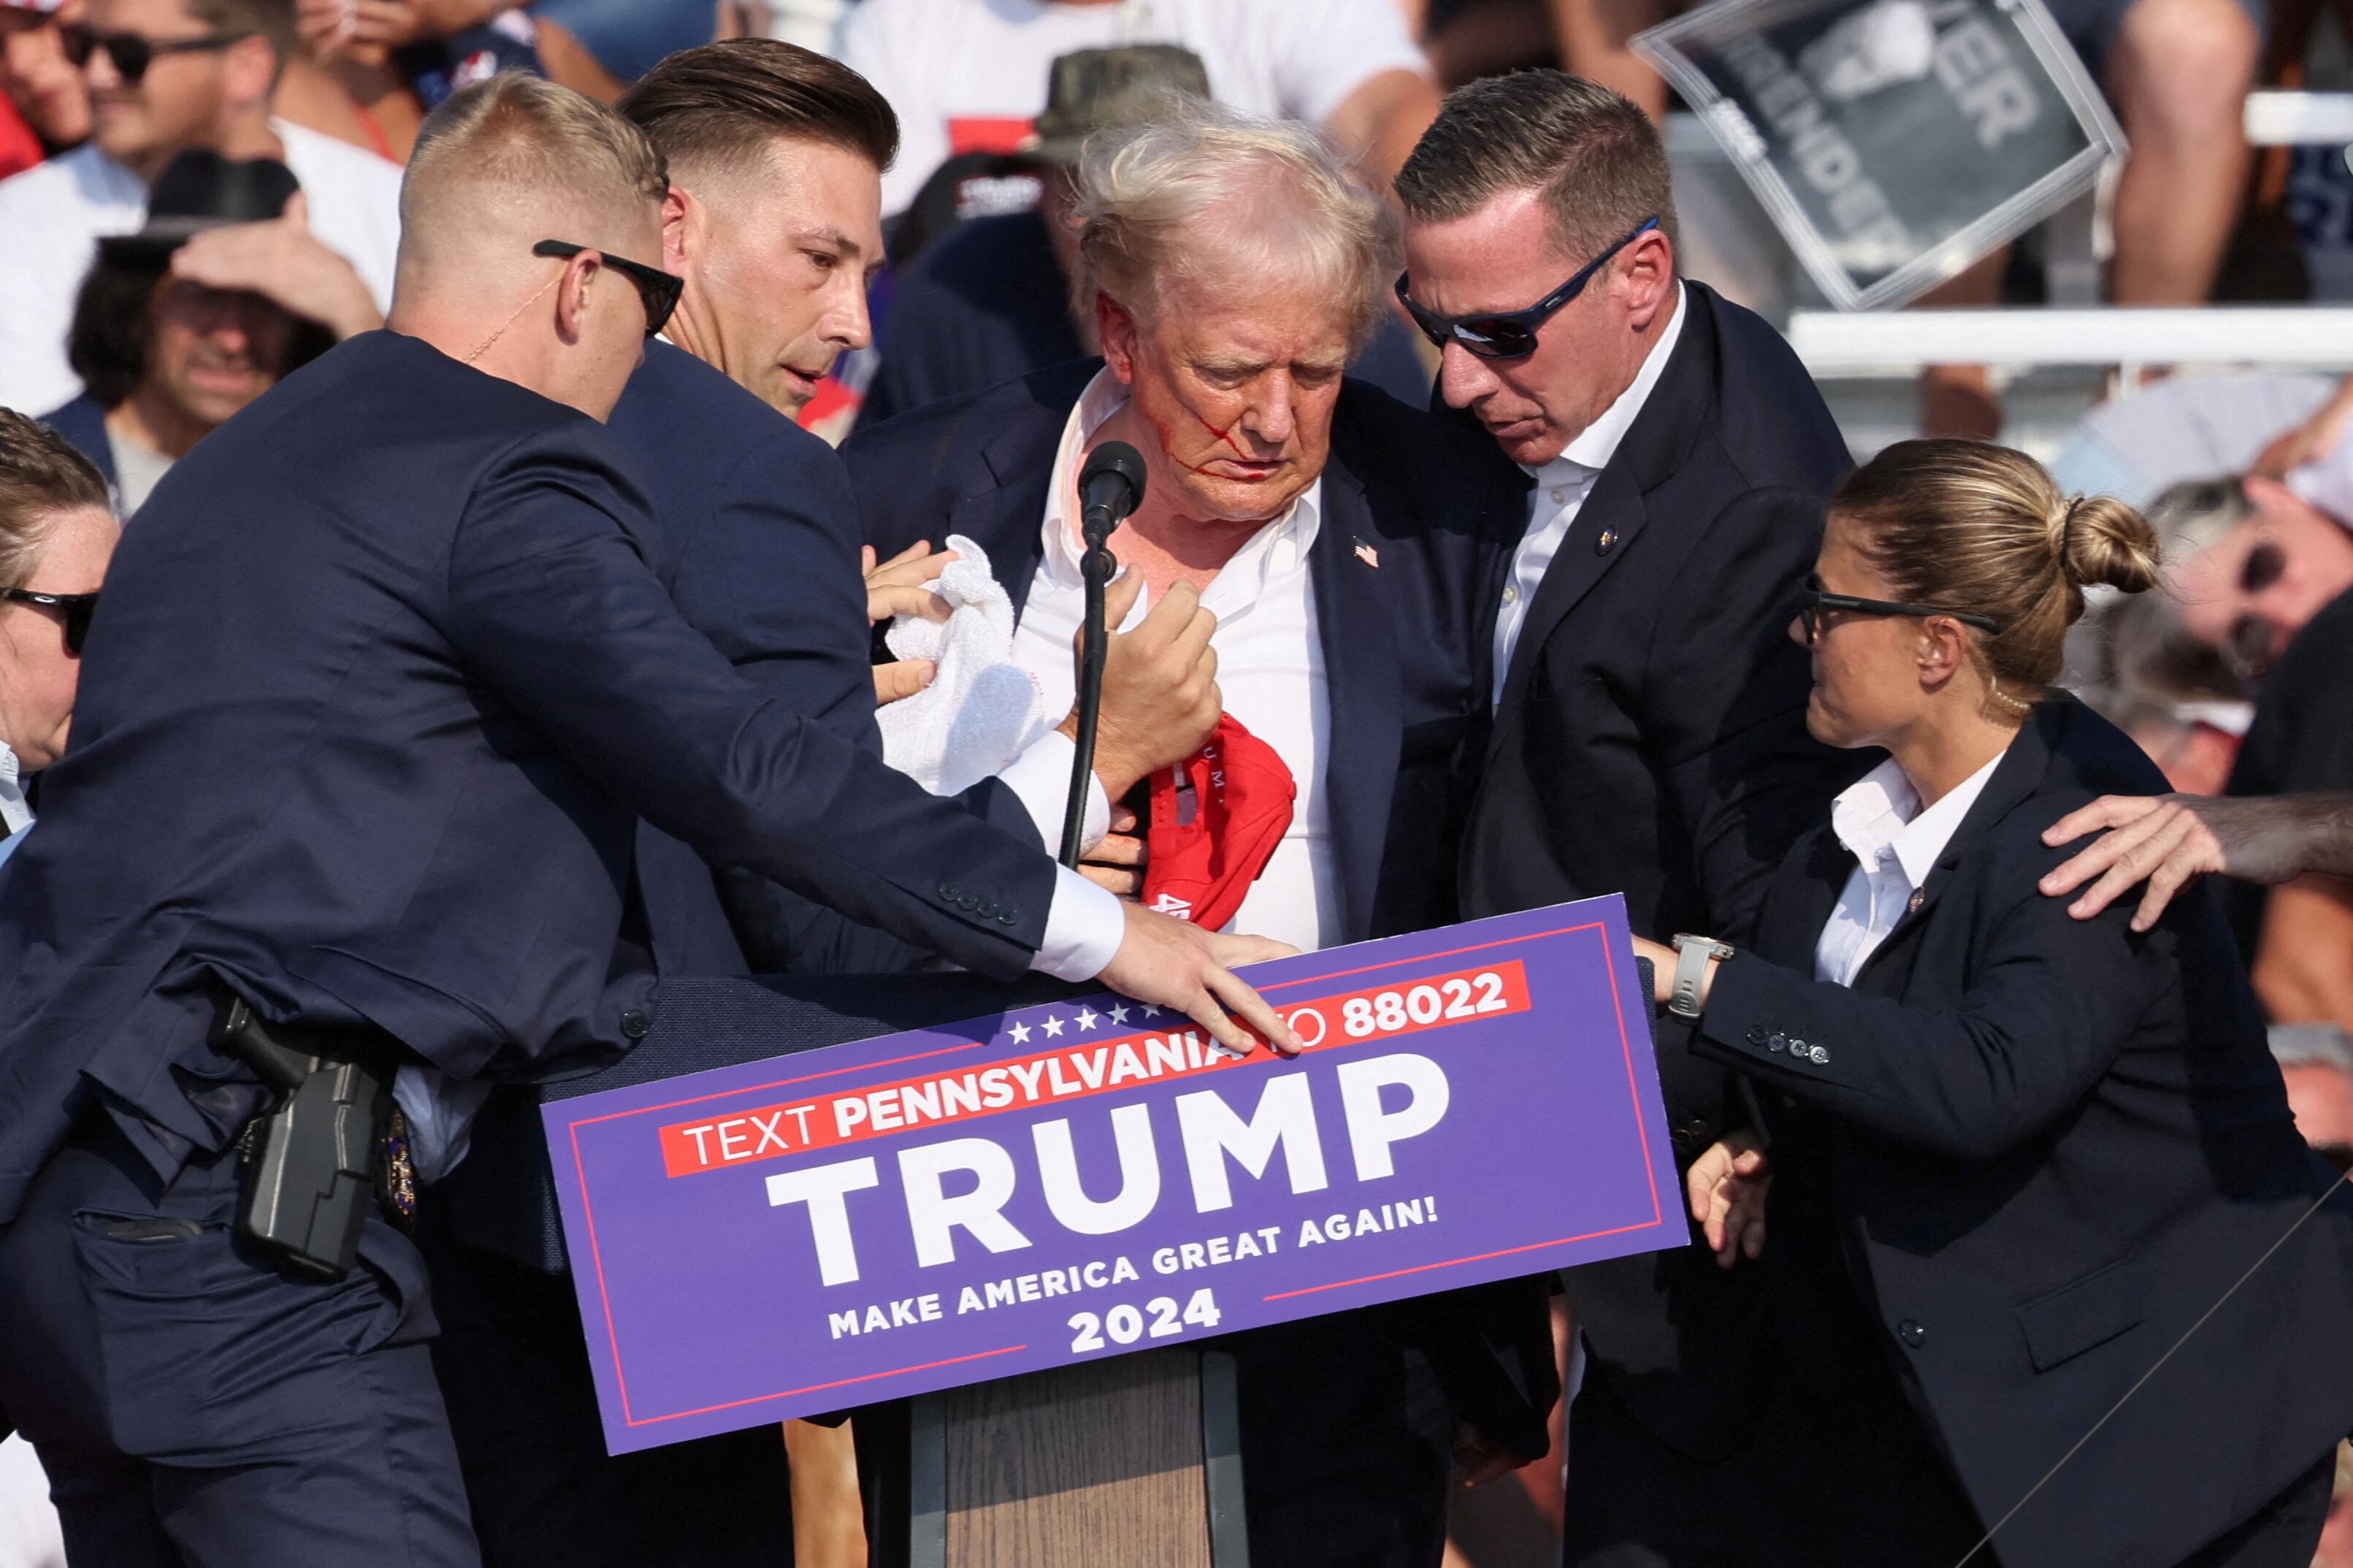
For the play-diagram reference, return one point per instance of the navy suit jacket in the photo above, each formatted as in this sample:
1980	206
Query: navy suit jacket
1652	742
367	718
2048	1146
1405	644
83	423
758	539
1405	657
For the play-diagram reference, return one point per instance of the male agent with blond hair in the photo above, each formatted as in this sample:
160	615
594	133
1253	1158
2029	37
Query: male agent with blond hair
773	222
368	718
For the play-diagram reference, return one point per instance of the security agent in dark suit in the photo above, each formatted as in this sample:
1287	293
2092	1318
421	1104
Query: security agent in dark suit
1649	732
365	727
2049	1147
1346	1447
759	530
758	549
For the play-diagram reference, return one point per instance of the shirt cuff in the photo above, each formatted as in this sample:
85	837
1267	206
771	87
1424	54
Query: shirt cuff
1085	926
1040	778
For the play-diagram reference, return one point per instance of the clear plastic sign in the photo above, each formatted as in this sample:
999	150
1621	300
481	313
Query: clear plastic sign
1894	142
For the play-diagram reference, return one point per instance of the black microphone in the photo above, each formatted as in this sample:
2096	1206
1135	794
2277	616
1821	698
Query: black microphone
1111	487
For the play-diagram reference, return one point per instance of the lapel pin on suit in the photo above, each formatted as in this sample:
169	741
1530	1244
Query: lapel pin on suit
1367	554
1919	896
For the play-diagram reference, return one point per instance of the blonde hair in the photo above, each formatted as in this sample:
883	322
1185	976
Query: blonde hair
1204	195
1981	529
526	134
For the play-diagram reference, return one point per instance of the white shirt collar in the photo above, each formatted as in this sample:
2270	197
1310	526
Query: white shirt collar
1879	815
1594	446
1281	545
15	810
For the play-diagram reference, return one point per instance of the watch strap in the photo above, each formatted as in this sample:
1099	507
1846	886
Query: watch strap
1691	956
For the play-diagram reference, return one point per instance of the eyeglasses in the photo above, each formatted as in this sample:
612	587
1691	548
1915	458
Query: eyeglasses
76	609
659	289
1819	602
1509	335
131	53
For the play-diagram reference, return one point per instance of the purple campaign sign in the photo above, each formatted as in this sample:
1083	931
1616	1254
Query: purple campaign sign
1087	1177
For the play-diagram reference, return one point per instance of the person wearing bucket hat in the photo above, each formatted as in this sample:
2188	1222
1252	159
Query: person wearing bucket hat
964	75
1341	540
986	254
164	76
182	323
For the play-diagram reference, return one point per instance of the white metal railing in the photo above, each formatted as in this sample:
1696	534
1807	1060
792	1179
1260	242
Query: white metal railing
1897	342
2300	119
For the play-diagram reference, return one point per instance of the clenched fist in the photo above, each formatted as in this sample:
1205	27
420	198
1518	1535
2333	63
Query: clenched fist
1160	697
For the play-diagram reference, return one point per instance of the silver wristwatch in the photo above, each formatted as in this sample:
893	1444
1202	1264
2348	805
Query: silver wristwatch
1692	955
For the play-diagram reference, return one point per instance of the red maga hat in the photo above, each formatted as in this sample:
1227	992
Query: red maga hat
1216	818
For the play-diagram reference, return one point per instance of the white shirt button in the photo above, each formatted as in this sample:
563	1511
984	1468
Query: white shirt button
1511	593
1558	495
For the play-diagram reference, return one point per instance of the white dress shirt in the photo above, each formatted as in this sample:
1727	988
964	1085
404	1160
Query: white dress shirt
1561	487
1270	669
1895	845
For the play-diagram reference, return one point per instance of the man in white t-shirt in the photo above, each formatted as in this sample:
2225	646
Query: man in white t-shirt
969	76
166	75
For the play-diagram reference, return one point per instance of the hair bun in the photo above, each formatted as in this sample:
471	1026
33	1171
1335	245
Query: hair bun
2102	540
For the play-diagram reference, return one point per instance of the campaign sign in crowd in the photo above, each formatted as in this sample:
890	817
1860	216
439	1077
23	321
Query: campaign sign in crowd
1092	1176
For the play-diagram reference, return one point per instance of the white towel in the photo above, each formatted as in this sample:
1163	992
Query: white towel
981	710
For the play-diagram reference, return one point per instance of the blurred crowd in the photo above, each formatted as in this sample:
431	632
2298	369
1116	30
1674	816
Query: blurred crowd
198	197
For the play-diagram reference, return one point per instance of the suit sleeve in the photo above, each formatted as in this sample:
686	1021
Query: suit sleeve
1724	705
770	575
2052	1003
552	605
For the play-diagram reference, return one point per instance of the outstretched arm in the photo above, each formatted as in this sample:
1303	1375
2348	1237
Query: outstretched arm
552	607
2167	841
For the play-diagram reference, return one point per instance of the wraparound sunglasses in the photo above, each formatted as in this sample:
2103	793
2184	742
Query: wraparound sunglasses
1509	335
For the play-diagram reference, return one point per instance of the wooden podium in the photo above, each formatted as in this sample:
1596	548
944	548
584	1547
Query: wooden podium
1135	1459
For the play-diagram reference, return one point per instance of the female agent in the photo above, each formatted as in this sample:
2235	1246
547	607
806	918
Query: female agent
2045	1147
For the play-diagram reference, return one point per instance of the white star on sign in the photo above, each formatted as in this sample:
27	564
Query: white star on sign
1118	1014
1053	1025
1087	1018
1020	1032
1150	1011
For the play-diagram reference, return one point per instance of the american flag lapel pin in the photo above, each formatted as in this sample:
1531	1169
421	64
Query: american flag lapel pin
1368	555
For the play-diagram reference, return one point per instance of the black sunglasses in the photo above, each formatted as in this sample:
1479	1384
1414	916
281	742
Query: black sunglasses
131	53
1819	602
77	610
1509	335
659	289
2248	651
2265	564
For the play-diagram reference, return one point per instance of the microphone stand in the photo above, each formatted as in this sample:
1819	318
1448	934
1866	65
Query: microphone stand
1096	567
